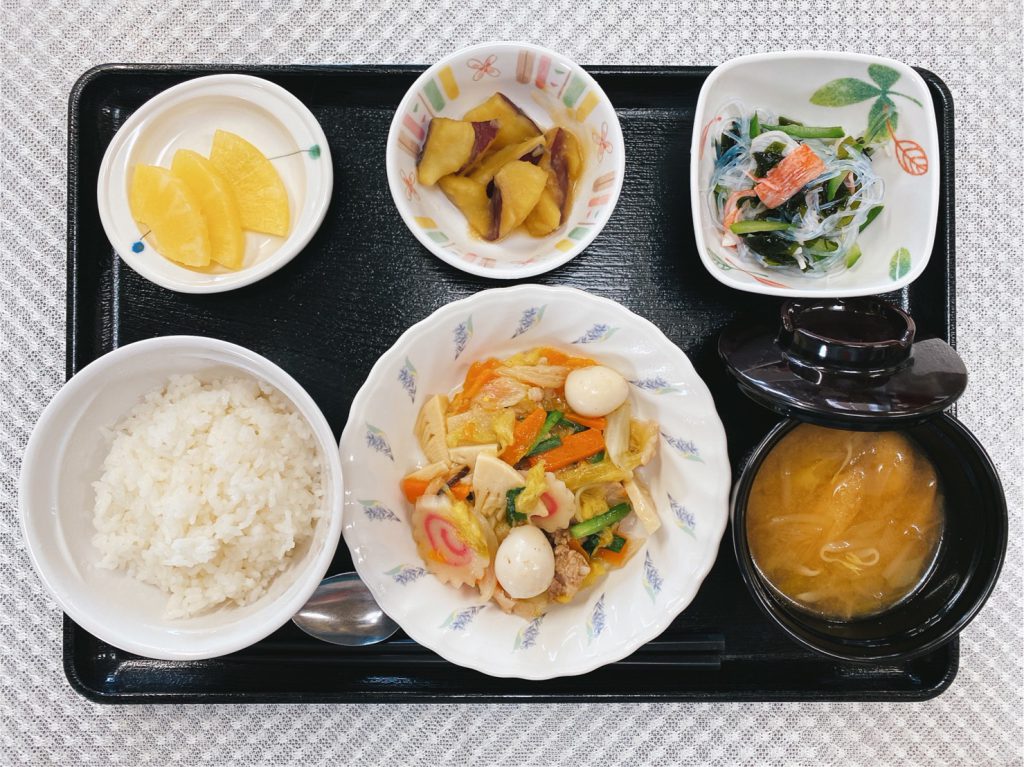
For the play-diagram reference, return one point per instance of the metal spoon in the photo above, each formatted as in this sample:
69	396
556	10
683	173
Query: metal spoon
342	611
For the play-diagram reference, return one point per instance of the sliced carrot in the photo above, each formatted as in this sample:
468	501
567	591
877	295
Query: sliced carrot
461	490
792	174
557	357
574	447
600	422
479	374
614	558
523	435
553	356
413	488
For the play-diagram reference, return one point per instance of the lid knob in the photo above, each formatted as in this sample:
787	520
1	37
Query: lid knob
865	336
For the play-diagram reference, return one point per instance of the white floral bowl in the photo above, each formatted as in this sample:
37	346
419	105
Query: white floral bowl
552	90
689	481
847	89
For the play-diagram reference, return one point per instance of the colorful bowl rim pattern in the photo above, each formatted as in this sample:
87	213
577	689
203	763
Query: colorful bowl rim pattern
869	82
691	487
548	71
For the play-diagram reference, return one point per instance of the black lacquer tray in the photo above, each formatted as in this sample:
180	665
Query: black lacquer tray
328	315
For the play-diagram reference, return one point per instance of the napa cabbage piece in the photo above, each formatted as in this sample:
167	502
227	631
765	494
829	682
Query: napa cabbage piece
529	357
504	428
451	539
478	426
527	500
492	479
544	376
630	442
643	505
583	474
616	435
431	429
643	439
591	502
500	392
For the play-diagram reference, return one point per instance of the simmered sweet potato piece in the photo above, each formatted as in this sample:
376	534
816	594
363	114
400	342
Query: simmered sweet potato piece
546	216
563	160
517	189
514	126
485	167
451	145
469	197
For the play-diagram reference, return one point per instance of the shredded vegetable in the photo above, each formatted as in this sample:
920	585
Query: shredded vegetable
791	196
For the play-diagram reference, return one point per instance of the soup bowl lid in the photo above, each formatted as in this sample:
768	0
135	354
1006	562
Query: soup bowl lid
845	363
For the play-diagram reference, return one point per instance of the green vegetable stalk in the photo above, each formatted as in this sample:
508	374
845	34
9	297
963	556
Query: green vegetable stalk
601	521
808	131
512	516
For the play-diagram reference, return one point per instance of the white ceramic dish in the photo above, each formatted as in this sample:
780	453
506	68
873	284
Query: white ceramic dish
897	245
552	90
689	480
186	117
64	456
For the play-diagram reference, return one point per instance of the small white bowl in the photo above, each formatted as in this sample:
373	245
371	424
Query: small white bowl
551	90
689	481
897	245
186	117
64	457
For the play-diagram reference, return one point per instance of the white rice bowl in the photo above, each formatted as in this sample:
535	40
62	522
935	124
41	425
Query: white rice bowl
207	489
65	459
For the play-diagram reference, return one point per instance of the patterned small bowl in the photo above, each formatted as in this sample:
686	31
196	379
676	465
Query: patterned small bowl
689	480
854	91
552	90
186	116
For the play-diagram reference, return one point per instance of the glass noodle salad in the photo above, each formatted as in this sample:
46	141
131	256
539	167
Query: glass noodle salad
791	196
530	492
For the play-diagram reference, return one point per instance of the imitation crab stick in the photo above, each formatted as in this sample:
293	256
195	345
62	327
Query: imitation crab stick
794	171
732	208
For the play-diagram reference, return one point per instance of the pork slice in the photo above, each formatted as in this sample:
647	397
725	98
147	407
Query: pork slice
571	568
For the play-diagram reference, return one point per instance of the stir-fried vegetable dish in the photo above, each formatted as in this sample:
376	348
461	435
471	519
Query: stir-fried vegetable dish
530	490
792	196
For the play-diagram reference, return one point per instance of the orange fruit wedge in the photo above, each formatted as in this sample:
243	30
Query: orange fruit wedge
216	203
259	191
163	203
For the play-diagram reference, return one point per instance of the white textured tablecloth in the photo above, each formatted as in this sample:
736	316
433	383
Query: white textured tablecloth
974	46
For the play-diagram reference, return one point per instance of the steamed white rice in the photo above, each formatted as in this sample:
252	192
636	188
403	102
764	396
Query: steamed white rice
207	491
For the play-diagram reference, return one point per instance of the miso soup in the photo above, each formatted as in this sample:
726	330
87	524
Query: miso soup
844	523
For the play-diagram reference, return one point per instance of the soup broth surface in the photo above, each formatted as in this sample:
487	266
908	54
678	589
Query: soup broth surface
844	523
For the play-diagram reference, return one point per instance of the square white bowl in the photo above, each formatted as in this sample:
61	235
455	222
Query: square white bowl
898	244
552	90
